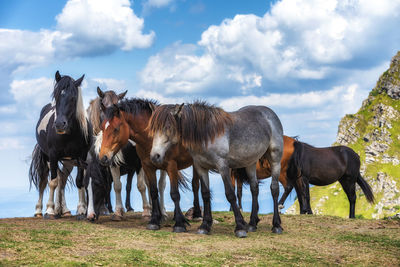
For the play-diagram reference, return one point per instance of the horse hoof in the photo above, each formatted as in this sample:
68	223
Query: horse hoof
67	214
116	218
151	226
241	233
38	215
80	217
57	216
252	228
179	229
49	216
277	230
130	209
201	231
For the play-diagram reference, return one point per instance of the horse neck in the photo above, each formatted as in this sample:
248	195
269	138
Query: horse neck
138	125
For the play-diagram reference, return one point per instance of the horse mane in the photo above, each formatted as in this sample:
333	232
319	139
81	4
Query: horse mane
94	115
134	106
68	82
197	124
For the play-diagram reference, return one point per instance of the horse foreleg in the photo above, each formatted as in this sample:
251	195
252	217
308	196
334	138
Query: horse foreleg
119	208
251	173
154	223
205	227
141	185
195	189
161	189
180	220
63	174
129	179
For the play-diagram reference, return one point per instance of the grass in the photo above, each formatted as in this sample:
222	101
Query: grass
306	240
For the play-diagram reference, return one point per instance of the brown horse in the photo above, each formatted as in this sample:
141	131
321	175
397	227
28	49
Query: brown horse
129	119
239	176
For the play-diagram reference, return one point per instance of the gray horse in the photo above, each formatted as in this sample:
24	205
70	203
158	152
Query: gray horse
221	141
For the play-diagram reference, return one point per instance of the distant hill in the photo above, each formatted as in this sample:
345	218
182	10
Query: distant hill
374	133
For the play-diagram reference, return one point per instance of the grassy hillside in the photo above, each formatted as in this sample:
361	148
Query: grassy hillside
307	240
374	133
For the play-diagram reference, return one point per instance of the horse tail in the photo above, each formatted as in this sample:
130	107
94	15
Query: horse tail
366	188
241	176
183	181
295	166
39	169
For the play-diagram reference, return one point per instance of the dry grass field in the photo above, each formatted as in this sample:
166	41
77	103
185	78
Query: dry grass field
307	240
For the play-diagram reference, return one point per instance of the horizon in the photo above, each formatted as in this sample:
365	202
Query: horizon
312	62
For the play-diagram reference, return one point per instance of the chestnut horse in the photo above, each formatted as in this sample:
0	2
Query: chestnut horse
96	116
128	120
239	176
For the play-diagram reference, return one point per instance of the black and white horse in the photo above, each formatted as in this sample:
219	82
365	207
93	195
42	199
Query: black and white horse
63	135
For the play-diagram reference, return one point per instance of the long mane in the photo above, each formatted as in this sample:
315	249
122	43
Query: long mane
67	82
134	106
196	124
94	115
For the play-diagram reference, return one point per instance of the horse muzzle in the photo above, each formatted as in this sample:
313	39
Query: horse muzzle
61	127
156	158
105	161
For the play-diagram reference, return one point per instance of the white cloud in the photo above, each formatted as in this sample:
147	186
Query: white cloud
10	143
34	91
101	27
84	28
157	3
295	41
110	84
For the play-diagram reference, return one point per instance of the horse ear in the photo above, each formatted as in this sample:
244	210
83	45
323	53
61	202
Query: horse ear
58	76
177	110
78	82
122	95
99	92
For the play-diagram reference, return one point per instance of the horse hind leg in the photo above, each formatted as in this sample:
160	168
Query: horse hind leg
161	189
42	187
349	187
251	173
274	155
288	188
128	191
141	185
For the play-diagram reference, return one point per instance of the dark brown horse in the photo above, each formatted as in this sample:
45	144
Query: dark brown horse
239	176
129	119
324	166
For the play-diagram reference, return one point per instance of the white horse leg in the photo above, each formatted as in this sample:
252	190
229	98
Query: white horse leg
50	203
82	206
161	189
141	185
63	209
39	204
119	208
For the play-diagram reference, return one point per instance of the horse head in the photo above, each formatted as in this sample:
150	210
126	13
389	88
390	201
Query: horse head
164	130
68	102
116	133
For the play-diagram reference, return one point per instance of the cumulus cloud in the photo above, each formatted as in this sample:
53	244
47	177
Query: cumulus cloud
84	28
96	27
295	41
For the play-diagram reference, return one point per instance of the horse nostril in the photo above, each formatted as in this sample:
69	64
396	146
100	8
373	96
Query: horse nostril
157	156
104	158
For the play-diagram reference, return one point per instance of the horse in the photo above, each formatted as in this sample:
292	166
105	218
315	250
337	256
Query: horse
63	135
263	171
96	115
221	141
98	178
324	166
128	120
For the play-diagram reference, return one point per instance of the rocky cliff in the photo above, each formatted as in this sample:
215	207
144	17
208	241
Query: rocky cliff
374	133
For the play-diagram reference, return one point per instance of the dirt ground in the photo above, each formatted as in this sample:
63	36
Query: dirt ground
306	240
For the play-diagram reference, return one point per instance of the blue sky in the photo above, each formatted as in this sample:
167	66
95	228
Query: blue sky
311	61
